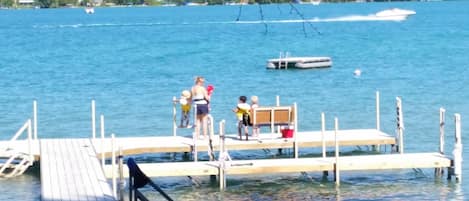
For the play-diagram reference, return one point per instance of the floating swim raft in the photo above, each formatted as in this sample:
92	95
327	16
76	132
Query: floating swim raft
299	62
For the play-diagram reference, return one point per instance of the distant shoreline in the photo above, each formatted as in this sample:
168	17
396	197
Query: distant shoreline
154	3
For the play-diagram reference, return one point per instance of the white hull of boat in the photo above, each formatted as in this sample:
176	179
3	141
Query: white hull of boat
89	10
394	14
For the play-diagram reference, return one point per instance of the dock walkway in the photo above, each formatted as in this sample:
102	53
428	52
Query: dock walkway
70	171
179	144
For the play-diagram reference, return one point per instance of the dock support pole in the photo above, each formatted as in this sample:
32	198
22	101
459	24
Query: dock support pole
121	174
102	142
457	152
280	60
336	168
323	137
222	157
93	118
400	125
195	134
287	54
113	166
30	149
277	103
210	150
174	116
439	171
295	130
378	120
35	119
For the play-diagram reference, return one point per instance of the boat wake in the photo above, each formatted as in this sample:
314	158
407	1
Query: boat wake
95	25
350	18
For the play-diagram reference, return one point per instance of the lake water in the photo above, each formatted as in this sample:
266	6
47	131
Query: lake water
132	61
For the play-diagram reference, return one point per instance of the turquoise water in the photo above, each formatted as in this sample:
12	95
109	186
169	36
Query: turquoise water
132	61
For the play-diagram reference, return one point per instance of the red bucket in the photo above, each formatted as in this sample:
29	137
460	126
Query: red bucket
287	133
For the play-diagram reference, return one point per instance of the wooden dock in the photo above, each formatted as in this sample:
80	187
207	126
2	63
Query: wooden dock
74	169
267	166
70	170
180	144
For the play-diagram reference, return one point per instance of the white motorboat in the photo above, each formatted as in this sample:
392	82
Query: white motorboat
315	2
394	14
299	62
89	10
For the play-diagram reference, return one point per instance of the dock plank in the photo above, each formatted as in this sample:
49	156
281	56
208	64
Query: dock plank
394	161
168	144
264	166
71	171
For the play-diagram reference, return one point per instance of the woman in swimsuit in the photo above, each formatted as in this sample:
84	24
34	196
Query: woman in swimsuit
200	98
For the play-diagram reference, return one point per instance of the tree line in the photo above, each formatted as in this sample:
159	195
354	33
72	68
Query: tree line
68	3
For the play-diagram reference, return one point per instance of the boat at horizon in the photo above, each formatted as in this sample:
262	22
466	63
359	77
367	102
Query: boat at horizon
394	14
89	10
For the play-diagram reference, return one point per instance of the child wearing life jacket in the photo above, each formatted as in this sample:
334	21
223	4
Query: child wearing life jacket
242	111
185	102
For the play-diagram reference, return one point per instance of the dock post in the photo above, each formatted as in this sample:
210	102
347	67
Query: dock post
113	166
439	171
286	60
336	168
277	103
102	142
323	137
93	118
400	125
378	120
211	153
222	156
280	60
195	137
457	152
35	118
121	174
174	116
295	130
30	150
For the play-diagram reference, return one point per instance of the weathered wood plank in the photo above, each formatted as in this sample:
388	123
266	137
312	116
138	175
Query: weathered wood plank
89	191
71	171
76	172
94	190
394	161
97	171
46	191
263	166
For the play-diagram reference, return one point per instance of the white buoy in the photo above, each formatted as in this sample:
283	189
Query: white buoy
357	72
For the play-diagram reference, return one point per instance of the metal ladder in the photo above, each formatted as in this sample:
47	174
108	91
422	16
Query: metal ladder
12	162
15	165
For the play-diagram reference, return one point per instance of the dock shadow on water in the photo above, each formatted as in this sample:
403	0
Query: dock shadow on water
375	186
